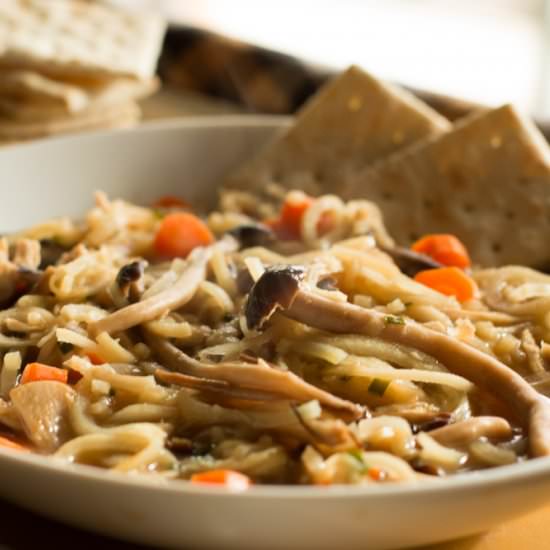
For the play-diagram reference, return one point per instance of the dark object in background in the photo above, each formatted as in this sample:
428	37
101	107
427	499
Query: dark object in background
260	79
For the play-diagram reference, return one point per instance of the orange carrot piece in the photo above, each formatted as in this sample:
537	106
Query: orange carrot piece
445	249
288	225
229	478
94	358
10	444
36	372
179	233
293	211
171	201
450	281
376	474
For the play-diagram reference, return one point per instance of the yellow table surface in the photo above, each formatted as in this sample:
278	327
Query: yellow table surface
529	532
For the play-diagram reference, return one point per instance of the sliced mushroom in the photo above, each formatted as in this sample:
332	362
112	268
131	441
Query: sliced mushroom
213	386
50	252
274	290
128	286
461	434
43	408
128	274
327	283
172	298
485	371
16	281
438	421
409	261
253	235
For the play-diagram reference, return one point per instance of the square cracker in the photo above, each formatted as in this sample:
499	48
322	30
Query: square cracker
28	86
115	116
487	181
351	122
29	96
78	38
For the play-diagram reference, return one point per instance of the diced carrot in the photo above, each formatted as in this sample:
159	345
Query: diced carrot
229	478
36	372
283	233
171	201
179	233
94	358
376	473
445	249
293	211
450	281
288	225
10	444
325	223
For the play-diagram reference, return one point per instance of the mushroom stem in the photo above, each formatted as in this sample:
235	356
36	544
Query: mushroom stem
214	386
172	298
467	431
258	377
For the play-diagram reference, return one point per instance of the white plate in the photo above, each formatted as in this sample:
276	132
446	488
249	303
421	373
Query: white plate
57	177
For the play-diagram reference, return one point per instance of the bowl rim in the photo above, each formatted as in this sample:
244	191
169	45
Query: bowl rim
500	476
156	125
472	481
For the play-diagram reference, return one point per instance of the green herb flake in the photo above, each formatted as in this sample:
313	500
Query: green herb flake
159	214
357	454
394	320
378	386
65	347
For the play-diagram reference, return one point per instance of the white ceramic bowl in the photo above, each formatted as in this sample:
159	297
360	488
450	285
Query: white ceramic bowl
189	157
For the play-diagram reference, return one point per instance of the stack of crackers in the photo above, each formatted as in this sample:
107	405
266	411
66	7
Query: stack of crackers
485	178
70	65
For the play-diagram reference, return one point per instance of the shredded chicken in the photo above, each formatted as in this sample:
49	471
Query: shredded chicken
43	408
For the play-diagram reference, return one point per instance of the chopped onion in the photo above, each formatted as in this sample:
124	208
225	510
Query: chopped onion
374	368
310	410
255	267
10	370
434	453
491	454
326	352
